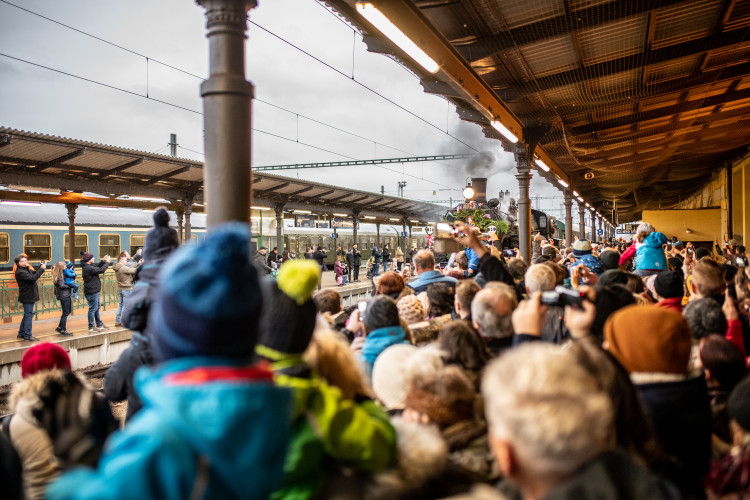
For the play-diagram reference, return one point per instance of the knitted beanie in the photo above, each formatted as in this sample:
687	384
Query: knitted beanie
161	239
410	309
649	339
738	405
288	318
668	284
209	299
581	247
45	356
388	375
68	264
86	256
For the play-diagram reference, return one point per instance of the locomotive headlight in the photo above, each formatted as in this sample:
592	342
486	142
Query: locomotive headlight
469	191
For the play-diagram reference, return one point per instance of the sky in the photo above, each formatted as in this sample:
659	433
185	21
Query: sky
127	74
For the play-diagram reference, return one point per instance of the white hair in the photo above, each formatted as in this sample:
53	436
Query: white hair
548	408
484	310
540	278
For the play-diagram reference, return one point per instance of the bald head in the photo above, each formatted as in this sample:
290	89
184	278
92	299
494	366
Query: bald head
424	261
491	312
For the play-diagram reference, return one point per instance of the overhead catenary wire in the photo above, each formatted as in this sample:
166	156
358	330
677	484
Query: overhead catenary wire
151	59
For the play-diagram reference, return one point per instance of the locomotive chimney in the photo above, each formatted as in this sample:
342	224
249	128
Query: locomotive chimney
480	189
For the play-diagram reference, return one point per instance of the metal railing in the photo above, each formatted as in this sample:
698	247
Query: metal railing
9	306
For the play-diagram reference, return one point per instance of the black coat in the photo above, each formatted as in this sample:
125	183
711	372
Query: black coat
356	258
62	291
319	257
681	415
386	255
118	382
91	282
26	277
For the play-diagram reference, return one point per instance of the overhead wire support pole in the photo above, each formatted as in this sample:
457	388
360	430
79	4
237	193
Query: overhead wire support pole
377	161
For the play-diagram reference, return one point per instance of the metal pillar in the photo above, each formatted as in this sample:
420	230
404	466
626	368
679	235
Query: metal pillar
377	234
336	237
524	203
279	208
227	97
568	203
72	207
581	221
355	223
404	243
180	214
593	225
188	212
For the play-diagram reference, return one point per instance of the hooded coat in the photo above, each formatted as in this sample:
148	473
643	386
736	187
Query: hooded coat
650	254
210	428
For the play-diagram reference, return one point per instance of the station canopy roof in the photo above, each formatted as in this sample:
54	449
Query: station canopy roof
36	167
651	97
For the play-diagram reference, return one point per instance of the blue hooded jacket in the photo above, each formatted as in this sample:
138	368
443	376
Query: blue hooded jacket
209	428
378	341
650	254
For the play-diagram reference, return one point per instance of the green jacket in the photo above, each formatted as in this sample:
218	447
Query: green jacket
327	429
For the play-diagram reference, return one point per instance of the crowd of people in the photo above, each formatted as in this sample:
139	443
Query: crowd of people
605	369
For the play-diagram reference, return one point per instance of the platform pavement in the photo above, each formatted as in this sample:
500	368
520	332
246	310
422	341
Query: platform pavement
44	329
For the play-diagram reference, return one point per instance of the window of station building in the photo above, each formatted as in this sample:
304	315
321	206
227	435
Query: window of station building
4	248
109	244
37	246
136	242
82	245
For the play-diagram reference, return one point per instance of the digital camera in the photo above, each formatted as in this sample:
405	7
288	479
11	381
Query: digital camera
562	296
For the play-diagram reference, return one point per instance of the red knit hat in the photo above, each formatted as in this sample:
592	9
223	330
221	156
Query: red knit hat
45	356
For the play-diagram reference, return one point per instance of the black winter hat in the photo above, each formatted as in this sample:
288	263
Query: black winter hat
738	405
610	259
288	318
701	252
668	284
613	277
161	240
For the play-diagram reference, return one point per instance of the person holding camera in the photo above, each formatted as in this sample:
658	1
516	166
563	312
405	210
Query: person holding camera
28	293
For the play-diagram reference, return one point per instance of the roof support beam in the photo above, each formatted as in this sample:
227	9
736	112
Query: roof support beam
120	168
644	59
90	185
663	112
57	161
557	26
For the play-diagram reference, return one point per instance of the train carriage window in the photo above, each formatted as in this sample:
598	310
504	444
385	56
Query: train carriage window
4	248
37	246
82	245
109	244
136	242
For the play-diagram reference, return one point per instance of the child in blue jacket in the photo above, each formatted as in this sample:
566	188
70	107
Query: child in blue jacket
70	278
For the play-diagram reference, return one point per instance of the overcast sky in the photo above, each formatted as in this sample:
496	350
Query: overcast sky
114	111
